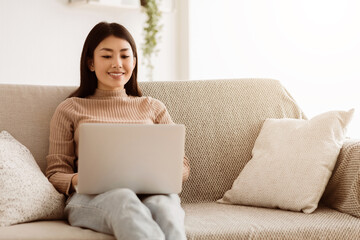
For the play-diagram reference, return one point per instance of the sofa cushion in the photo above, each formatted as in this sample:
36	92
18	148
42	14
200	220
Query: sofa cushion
218	222
292	162
50	230
26	194
222	119
343	190
214	221
25	112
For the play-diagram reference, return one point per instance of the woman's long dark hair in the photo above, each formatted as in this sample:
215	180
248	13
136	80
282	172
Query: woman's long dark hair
88	80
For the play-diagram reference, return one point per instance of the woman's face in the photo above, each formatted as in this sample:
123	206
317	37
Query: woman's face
113	63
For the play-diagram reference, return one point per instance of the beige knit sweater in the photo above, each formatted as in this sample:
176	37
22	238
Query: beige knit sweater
104	106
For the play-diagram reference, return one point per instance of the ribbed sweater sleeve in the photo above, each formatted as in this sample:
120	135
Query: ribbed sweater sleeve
61	158
161	115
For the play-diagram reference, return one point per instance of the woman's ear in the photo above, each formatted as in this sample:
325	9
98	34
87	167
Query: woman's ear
90	63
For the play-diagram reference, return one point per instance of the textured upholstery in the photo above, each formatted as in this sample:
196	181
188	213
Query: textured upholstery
223	119
214	221
25	112
342	191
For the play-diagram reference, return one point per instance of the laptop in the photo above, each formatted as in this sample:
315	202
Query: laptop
147	158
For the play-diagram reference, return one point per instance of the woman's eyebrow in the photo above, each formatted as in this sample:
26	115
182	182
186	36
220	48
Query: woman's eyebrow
106	49
111	50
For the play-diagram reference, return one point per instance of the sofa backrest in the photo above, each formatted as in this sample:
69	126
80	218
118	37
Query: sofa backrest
222	119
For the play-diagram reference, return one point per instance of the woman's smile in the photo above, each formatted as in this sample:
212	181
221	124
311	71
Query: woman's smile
116	75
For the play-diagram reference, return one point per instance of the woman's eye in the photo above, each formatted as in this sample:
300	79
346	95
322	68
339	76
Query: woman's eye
106	56
125	56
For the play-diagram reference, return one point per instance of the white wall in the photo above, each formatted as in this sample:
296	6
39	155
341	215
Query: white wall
41	40
312	47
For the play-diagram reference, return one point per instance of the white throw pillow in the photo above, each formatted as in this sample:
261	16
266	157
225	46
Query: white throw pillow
25	193
292	161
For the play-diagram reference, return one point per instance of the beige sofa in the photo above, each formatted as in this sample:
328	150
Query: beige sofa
223	119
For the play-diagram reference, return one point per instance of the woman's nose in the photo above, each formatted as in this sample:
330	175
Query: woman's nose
117	63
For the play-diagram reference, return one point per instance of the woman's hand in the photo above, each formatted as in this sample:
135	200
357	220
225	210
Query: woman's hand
186	169
74	182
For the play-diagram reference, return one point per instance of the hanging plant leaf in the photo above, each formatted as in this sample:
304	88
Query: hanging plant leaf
151	31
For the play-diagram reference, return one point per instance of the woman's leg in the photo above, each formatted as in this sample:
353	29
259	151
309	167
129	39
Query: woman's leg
168	213
118	212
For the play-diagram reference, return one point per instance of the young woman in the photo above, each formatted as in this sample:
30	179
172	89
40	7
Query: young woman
109	93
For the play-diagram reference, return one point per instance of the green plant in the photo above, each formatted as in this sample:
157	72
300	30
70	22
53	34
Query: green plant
152	29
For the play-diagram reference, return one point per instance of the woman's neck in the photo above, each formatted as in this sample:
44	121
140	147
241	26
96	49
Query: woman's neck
100	93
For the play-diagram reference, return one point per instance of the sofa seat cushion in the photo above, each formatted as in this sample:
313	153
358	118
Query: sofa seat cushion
50	230
218	221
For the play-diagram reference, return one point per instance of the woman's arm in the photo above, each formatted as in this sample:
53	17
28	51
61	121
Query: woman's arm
61	157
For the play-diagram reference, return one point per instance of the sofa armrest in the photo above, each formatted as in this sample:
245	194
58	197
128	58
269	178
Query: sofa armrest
343	190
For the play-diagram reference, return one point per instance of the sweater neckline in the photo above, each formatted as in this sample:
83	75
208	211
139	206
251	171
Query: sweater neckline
99	93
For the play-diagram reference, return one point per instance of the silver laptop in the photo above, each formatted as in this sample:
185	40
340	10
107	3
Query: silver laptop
147	158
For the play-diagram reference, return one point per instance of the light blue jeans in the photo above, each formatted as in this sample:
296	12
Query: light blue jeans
122	213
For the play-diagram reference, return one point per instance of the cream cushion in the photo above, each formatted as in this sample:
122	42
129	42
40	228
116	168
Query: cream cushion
26	194
292	161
